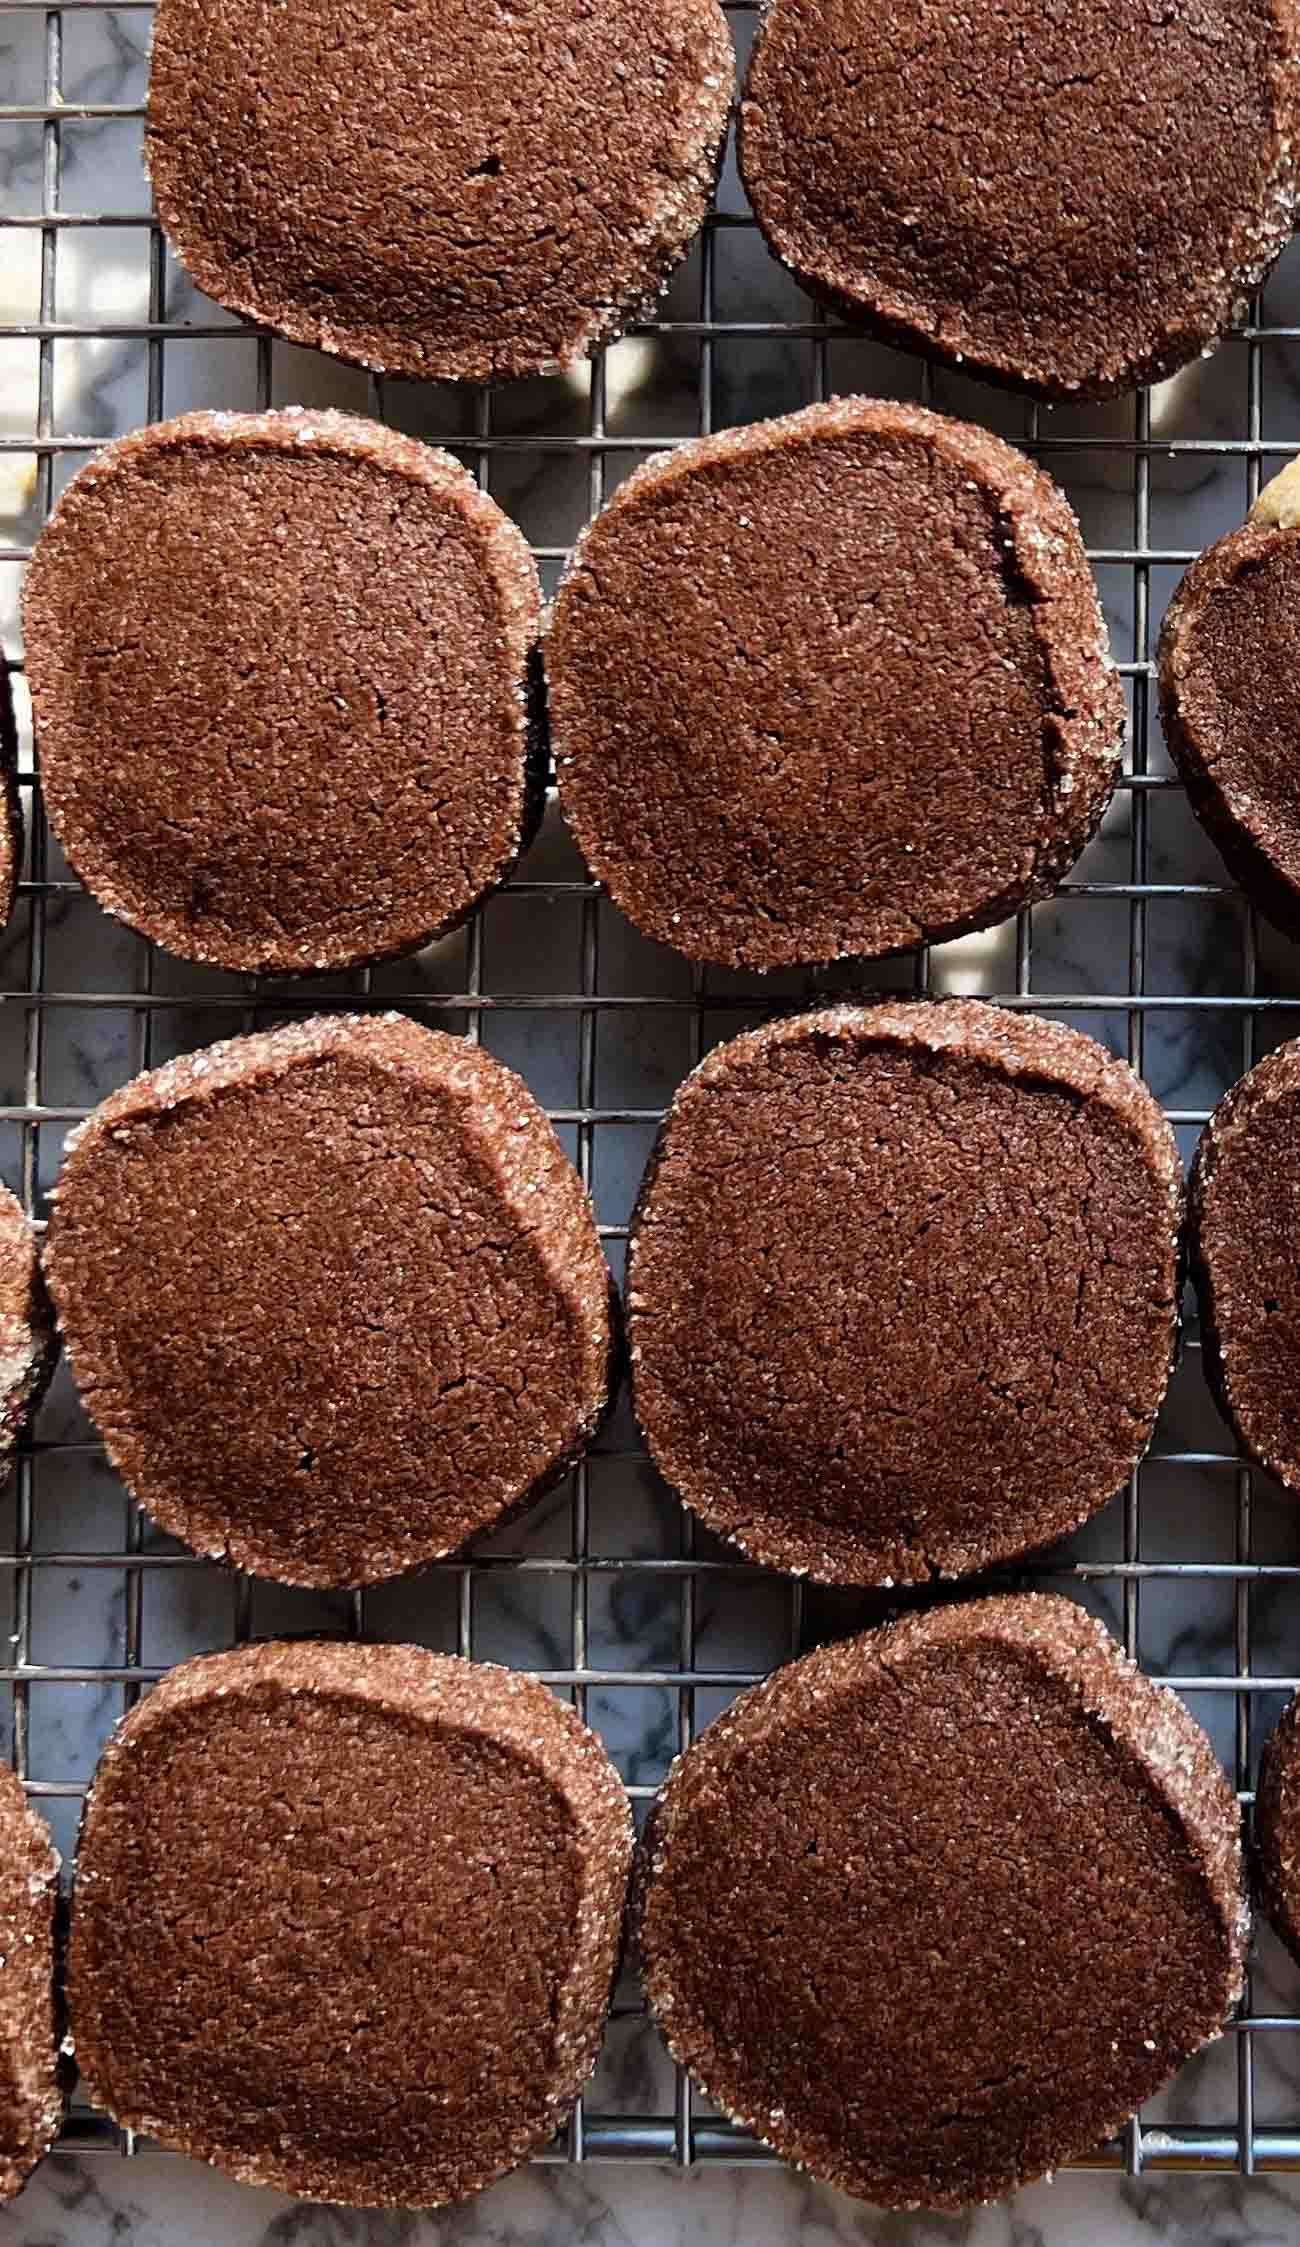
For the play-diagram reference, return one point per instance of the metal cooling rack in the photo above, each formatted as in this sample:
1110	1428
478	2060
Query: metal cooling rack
619	1016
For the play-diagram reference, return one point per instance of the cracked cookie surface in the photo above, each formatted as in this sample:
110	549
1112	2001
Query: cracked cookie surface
831	685
902	1287
977	1883
279	669
332	1294
346	1918
1073	200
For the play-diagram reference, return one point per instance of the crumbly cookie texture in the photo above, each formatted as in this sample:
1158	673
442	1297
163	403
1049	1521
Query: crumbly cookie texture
1229	658
1277	1828
1243	1231
29	1344
31	2099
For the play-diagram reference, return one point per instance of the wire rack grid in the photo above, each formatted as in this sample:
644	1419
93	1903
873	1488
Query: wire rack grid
610	1594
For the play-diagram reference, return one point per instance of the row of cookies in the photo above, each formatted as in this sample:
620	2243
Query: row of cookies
902	1288
1072	201
346	1917
829	686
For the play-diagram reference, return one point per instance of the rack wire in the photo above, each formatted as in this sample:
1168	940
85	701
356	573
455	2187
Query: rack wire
607	988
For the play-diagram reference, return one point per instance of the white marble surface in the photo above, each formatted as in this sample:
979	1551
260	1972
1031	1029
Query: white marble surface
157	2202
83	1614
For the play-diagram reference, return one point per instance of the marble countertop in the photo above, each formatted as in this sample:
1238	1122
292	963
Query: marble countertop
81	1606
155	2201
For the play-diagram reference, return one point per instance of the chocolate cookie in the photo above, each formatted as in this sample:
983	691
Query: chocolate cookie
1070	200
332	1294
1277	1828
902	1286
11	810
346	1919
1229	652
29	1344
436	190
1244	1239
977	1885
279	674
832	684
31	2102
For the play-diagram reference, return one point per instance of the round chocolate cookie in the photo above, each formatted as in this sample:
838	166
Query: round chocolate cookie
1277	1828
1229	698
902	1286
279	676
1071	200
977	1887
29	1344
835	684
346	1919
332	1294
31	2101
1244	1242
444	189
